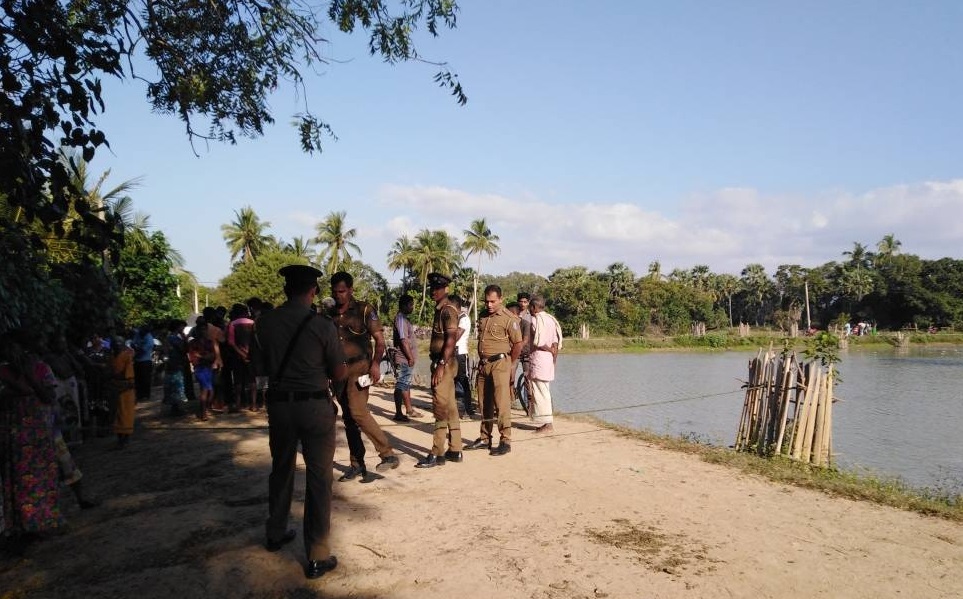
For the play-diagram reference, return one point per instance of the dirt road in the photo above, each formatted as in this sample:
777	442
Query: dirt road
583	513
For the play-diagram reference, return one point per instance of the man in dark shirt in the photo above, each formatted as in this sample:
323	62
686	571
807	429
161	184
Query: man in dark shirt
301	354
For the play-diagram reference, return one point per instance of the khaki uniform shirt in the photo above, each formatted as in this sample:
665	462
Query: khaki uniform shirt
316	354
354	329
446	319
497	333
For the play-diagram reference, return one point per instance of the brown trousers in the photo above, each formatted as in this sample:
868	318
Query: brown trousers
444	406
495	394
358	419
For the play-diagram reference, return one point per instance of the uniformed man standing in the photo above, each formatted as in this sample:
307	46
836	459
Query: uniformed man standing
499	344
444	366
358	324
300	353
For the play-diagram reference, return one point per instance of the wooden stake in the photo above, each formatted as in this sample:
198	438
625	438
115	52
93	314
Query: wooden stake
807	445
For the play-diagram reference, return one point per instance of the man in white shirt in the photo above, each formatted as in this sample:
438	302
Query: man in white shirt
462	385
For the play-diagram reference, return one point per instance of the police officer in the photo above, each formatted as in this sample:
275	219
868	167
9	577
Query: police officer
358	324
444	366
499	345
300	353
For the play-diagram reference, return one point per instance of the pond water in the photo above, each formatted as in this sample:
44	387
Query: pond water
901	414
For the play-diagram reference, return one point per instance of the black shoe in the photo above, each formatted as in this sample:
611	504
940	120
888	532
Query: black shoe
479	443
453	456
502	449
351	474
387	463
401	418
430	461
320	567
276	545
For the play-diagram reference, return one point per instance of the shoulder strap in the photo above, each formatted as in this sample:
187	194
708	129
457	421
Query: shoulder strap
277	378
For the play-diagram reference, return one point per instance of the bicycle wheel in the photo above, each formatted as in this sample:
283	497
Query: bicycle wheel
521	392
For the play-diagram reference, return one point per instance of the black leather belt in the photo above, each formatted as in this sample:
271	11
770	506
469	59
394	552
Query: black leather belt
495	358
275	396
356	359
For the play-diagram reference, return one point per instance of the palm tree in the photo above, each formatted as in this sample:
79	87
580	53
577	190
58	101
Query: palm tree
888	246
113	207
726	286
479	240
621	280
401	257
859	256
434	251
245	237
335	241
300	248
757	283
655	271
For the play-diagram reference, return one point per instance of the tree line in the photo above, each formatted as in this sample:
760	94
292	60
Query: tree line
885	287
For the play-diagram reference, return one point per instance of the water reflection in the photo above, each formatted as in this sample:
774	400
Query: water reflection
899	414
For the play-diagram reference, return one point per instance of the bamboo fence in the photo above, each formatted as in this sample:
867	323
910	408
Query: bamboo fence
788	409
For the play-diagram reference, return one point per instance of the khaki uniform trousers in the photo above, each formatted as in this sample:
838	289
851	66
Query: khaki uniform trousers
495	394
358	419
444	406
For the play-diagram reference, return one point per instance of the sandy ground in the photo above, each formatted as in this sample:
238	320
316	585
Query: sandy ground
583	513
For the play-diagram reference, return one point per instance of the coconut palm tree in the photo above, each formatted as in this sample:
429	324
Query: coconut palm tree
479	240
434	251
859	256
401	257
888	246
300	247
245	236
335	241
76	235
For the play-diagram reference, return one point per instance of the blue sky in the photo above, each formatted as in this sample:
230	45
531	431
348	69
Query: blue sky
720	133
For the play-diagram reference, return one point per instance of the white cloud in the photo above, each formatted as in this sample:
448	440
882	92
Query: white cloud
726	229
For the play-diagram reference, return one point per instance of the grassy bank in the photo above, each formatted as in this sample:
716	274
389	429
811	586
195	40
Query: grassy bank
726	341
885	491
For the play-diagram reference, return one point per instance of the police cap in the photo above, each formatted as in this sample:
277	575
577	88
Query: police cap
438	280
299	275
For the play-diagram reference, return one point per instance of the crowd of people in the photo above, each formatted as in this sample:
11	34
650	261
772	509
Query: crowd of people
300	362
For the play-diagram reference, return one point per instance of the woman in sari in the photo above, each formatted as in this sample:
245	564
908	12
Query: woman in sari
122	382
28	463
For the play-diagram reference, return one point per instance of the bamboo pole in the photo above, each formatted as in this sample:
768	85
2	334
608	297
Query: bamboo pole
816	457
762	403
807	445
753	399
741	433
797	401
828	424
802	414
784	402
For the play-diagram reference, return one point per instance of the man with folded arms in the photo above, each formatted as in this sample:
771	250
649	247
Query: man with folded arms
499	345
300	353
